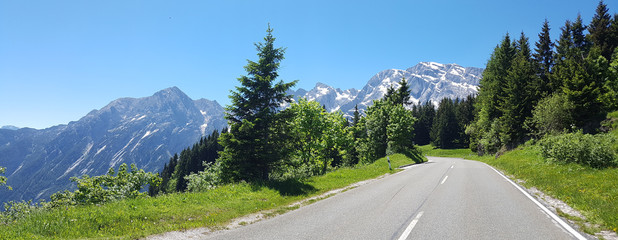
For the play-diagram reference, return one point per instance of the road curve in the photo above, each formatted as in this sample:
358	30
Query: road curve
445	198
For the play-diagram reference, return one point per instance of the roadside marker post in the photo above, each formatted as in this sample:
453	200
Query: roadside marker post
389	163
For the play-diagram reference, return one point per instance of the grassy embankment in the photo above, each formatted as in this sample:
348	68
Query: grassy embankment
593	192
134	218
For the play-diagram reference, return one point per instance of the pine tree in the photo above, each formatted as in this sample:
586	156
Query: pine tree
613	40
579	38
564	53
356	116
600	32
544	58
250	148
491	90
583	86
403	93
520	96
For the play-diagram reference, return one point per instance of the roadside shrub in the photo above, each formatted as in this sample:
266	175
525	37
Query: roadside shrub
552	115
596	151
104	188
204	180
15	210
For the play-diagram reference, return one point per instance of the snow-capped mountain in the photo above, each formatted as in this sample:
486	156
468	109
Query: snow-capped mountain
145	131
428	81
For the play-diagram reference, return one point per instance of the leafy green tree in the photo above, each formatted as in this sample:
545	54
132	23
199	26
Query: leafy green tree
400	130
553	115
375	124
319	139
544	58
600	32
3	178
251	146
387	128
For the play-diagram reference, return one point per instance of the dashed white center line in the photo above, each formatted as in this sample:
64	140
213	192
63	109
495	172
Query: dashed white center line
408	230
444	180
452	166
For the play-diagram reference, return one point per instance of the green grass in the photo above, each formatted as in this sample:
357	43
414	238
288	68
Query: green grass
135	218
593	192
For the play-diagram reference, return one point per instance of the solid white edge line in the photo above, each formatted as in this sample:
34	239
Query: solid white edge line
444	180
408	230
545	209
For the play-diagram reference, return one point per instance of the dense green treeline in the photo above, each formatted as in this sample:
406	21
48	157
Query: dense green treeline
444	127
559	86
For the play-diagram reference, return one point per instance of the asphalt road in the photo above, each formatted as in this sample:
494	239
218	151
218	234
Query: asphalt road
445	198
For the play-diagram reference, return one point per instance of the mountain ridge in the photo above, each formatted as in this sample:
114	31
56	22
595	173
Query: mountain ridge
145	131
428	81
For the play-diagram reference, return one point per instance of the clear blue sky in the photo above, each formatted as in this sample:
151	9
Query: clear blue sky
61	59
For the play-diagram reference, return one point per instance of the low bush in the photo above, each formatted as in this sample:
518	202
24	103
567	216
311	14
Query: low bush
204	180
597	151
104	188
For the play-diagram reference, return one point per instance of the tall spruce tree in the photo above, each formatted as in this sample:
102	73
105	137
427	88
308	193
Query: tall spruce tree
544	58
250	147
520	96
580	42
600	32
613	31
356	116
403	93
564	53
490	92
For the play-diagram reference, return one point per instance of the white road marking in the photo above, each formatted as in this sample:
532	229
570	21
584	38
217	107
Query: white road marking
564	225
444	180
408	230
452	166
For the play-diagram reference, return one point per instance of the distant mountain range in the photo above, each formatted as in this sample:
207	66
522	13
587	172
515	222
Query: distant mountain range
148	131
428	81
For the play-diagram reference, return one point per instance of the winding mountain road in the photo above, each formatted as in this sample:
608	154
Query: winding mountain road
445	198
